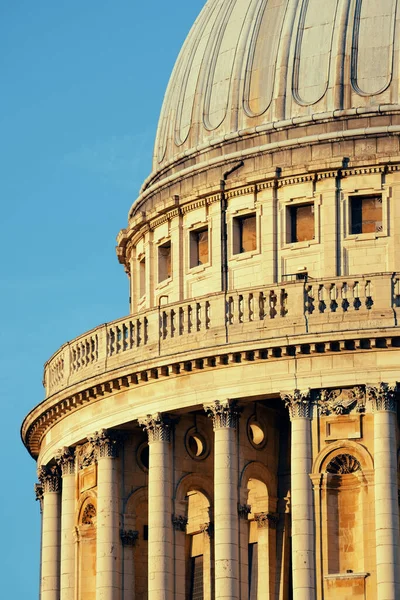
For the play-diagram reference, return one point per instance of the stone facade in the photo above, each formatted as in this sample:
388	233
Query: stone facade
236	435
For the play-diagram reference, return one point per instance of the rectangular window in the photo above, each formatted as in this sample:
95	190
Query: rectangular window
142	277
366	214
164	262
198	247
301	226
244	234
253	571
196	592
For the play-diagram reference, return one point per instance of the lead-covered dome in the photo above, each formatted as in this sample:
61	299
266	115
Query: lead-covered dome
254	65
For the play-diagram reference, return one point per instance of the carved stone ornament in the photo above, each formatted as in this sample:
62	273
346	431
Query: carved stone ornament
244	510
39	494
298	403
89	514
207	528
383	396
224	414
50	478
86	455
343	464
157	426
264	519
105	443
179	523
129	537
341	401
66	461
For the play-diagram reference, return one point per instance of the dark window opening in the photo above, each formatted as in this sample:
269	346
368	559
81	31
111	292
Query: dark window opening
145	532
196	584
302	225
253	571
244	234
142	277
198	247
164	262
366	214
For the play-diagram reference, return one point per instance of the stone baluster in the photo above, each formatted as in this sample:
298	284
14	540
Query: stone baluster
66	461
108	541
225	417
302	502
160	543
384	401
50	481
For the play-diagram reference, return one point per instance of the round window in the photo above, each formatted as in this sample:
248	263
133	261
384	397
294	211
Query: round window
256	433
196	444
142	455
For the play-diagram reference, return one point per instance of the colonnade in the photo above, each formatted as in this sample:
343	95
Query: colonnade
58	509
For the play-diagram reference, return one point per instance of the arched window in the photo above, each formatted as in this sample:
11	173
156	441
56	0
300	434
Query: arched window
198	548
87	550
259	539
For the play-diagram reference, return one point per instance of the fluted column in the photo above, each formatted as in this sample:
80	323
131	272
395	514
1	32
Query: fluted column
160	543
226	525
50	565
66	461
302	502
108	542
384	401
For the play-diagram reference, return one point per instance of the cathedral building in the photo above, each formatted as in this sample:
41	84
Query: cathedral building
236	435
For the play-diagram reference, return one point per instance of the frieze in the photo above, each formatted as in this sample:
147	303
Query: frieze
341	401
224	414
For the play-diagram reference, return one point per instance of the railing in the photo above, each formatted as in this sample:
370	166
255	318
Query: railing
290	308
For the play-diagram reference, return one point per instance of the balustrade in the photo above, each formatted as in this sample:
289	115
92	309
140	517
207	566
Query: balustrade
276	310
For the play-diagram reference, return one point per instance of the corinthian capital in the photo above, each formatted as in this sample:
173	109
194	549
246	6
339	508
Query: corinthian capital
104	443
39	494
157	426
299	403
50	478
383	396
224	414
66	460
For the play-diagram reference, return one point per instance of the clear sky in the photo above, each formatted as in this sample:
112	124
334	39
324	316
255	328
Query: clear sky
82	85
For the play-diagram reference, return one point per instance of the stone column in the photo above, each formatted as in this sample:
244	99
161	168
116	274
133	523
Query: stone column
38	488
226	521
108	542
302	501
265	523
160	544
50	480
66	461
129	538
384	402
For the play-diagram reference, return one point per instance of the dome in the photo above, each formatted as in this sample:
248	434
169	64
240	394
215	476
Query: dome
249	66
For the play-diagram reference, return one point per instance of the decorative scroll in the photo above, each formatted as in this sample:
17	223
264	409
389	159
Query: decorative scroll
179	523
224	414
157	426
341	401
244	510
298	403
129	537
66	461
50	478
264	519
88	514
343	464
383	396
104	443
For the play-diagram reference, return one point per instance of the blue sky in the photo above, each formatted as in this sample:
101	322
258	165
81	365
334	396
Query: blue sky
82	86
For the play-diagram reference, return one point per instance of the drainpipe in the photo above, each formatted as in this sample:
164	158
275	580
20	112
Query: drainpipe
224	229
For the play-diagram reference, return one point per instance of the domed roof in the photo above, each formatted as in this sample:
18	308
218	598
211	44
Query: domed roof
252	65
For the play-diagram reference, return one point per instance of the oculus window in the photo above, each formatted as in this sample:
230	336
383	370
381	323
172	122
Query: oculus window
301	223
366	214
199	247
244	234
164	262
